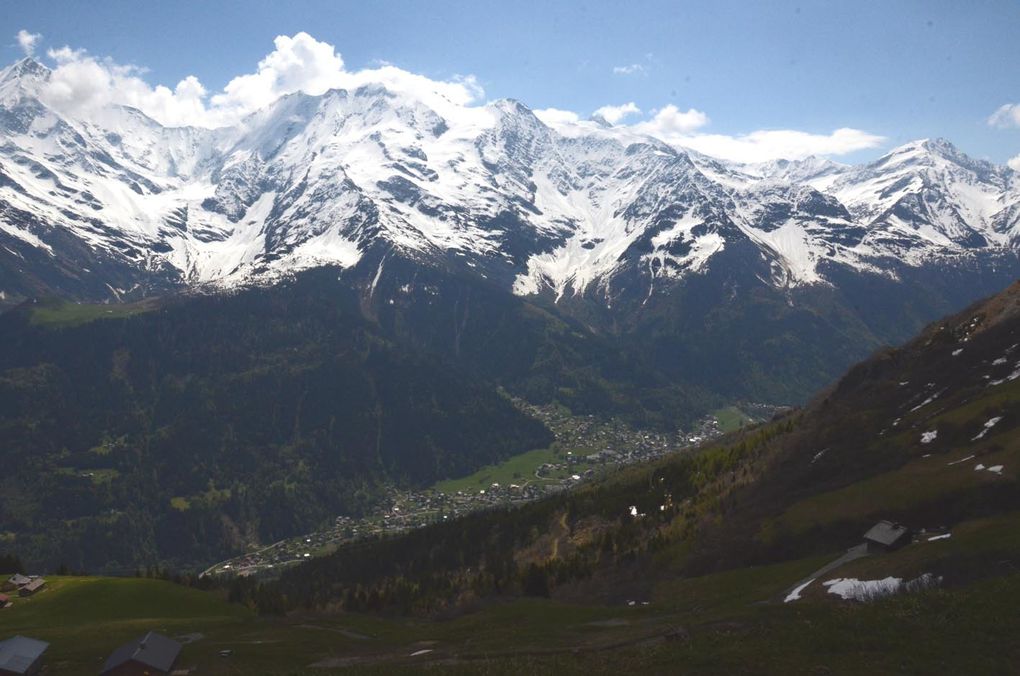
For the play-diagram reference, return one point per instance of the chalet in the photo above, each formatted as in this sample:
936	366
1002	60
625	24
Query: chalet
151	654
20	656
16	581
32	587
4	600
886	536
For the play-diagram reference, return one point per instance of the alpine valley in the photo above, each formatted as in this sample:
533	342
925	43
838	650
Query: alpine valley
244	331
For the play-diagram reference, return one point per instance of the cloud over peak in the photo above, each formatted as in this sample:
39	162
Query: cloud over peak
82	83
27	41
613	114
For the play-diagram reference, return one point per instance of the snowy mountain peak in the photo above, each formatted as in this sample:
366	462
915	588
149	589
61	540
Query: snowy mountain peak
21	80
26	69
312	180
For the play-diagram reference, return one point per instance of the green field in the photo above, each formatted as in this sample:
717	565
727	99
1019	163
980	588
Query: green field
516	470
58	313
729	622
731	419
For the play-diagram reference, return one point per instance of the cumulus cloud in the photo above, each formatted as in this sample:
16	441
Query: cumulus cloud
685	129
555	116
760	146
27	41
1014	163
82	83
613	114
1007	115
671	122
630	69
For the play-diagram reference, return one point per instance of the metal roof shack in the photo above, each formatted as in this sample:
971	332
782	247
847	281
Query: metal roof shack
21	655
887	536
151	654
32	587
15	581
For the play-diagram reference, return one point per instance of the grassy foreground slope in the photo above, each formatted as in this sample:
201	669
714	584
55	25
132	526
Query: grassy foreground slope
725	623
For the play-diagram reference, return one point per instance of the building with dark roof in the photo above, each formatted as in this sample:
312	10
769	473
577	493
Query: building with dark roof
21	656
886	536
151	654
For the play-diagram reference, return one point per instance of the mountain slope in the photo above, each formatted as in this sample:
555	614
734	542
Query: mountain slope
720	272
328	179
190	429
925	434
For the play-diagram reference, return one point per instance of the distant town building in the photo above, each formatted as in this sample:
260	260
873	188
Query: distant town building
32	587
886	536
152	654
16	581
20	656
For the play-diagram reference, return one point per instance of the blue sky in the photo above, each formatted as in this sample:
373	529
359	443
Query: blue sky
898	70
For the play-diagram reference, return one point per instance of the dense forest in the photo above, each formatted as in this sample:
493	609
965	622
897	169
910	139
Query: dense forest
194	428
177	431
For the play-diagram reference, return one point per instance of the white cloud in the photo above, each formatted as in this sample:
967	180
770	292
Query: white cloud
670	122
299	63
82	83
27	41
683	129
759	146
1007	115
1014	163
613	114
630	69
555	116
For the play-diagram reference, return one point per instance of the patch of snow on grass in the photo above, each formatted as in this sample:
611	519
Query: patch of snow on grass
795	594
1012	376
956	352
996	469
929	437
944	536
978	467
870	590
927	401
957	462
992	422
851	588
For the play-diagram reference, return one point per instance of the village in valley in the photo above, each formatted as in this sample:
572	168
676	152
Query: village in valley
585	447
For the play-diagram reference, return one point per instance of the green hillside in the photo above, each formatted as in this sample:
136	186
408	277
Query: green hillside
713	561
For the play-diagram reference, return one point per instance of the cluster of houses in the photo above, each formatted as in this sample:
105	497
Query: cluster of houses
152	655
23	585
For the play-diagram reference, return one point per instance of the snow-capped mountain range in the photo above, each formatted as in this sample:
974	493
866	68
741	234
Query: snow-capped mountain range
112	203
